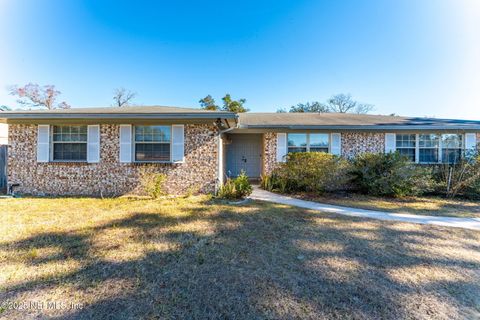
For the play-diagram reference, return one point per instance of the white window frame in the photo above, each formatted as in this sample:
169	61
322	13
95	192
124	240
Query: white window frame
439	148
462	147
307	147
134	144
52	143
414	148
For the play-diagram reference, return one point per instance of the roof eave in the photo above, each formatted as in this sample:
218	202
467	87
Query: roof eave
362	127
137	116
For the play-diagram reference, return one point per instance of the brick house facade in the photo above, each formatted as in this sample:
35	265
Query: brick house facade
109	176
197	145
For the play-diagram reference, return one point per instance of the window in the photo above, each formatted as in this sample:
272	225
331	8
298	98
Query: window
69	143
452	147
303	142
431	148
297	142
428	148
406	145
319	142
152	143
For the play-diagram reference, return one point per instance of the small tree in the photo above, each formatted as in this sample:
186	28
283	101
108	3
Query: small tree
123	97
310	107
341	103
208	103
234	105
34	96
461	176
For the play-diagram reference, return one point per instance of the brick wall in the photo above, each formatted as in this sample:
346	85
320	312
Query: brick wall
109	176
354	143
269	152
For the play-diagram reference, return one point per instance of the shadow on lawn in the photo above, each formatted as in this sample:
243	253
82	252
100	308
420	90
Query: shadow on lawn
269	262
433	206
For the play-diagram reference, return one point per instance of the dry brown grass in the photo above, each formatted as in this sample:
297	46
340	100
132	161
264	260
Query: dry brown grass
432	206
194	258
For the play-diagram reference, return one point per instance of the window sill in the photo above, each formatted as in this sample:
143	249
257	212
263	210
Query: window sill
155	162
72	162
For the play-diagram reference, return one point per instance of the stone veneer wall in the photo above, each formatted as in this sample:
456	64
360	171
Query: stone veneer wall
355	143
109	176
269	152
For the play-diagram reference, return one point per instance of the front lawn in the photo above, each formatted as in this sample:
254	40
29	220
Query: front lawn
194	258
431	206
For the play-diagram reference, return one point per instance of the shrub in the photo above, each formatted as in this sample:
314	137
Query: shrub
389	174
192	190
461	178
236	188
153	183
308	171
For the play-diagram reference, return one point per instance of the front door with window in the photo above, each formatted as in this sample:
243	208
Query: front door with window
244	152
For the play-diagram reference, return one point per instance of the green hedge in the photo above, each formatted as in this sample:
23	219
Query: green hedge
375	174
309	171
389	174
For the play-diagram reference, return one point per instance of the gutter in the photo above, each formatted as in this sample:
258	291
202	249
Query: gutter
220	168
170	116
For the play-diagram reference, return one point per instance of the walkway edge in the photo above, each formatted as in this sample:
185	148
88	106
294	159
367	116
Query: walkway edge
465	223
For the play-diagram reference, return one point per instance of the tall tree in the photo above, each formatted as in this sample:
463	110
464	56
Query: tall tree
234	105
343	103
34	96
123	97
208	103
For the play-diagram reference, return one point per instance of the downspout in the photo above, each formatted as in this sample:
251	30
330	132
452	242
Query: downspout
220	169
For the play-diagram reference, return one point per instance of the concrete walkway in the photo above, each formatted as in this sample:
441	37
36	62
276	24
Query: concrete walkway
466	223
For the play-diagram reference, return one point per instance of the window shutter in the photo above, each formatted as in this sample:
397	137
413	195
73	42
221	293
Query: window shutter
390	142
281	147
125	143
93	143
43	143
336	144
178	143
470	141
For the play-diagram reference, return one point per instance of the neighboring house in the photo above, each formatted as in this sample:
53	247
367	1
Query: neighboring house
95	151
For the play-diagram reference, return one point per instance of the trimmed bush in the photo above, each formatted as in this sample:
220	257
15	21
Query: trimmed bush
389	174
236	188
308	171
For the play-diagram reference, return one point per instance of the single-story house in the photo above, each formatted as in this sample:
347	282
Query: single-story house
94	151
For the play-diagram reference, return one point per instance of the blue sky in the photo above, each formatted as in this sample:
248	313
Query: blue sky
407	57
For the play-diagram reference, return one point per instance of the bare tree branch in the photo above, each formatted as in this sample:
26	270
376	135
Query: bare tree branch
343	103
123	97
34	96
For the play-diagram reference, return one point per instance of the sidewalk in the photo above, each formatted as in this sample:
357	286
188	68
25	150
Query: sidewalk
466	223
